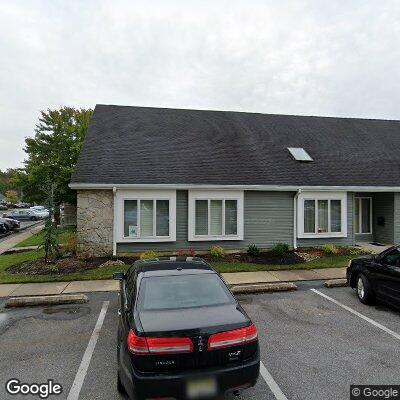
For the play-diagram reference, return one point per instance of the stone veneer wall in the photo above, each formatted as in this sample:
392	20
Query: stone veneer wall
95	211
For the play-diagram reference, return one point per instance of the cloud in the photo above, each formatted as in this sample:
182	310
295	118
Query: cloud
290	57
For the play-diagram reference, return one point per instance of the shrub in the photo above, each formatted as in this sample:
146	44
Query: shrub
148	255
217	252
330	249
192	252
52	268
70	243
280	249
180	253
253	250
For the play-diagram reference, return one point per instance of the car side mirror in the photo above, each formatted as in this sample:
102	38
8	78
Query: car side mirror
119	276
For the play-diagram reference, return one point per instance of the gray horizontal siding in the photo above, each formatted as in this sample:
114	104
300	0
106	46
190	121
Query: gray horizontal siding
383	206
396	222
346	241
268	219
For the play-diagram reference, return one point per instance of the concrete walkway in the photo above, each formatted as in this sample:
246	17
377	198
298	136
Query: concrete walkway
235	278
15	238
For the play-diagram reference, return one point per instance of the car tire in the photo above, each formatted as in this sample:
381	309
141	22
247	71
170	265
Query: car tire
364	290
33	218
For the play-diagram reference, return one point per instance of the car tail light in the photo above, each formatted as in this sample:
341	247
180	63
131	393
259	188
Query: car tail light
233	338
173	345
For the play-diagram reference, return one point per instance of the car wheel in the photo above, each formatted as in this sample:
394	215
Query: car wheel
364	290
120	386
33	219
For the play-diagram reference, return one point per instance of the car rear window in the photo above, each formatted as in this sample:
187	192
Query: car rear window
182	291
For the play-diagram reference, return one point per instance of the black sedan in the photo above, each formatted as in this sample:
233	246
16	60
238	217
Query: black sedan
181	333
377	277
3	228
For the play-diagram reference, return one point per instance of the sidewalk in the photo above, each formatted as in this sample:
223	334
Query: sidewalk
235	278
15	238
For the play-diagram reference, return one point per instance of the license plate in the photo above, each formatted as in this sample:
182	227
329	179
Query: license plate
200	388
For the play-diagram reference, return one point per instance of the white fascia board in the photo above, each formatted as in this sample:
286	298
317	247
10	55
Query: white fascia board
284	188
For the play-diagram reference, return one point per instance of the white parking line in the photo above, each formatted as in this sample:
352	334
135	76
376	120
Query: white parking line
275	389
80	375
371	321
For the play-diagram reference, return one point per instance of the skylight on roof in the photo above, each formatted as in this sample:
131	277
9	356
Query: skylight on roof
299	154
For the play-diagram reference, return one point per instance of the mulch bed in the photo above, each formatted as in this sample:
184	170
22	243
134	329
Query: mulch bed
62	266
71	264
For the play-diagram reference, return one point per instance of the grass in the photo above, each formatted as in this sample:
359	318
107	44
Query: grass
38	238
106	272
8	260
323	262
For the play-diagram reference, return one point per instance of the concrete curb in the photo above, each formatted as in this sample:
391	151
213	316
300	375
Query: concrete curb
263	288
27	301
333	283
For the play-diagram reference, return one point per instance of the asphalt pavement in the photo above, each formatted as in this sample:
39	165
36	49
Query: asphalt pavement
311	347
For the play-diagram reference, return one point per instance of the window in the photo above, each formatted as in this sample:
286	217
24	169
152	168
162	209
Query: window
182	291
321	215
215	215
145	215
299	154
363	215
392	258
152	220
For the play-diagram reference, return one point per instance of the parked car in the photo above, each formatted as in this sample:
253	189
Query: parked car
3	228
40	211
376	277
10	223
22	215
181	332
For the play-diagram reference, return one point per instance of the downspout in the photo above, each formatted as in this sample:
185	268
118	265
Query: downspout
115	222
295	218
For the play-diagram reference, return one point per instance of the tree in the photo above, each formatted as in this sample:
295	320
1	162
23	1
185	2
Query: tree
7	181
50	244
11	196
52	154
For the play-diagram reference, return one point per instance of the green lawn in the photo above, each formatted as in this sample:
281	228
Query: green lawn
37	239
323	262
106	273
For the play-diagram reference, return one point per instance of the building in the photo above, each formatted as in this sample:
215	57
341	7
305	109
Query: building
168	179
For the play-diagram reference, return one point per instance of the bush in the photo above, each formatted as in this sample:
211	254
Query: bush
70	243
253	250
280	249
217	252
330	249
148	255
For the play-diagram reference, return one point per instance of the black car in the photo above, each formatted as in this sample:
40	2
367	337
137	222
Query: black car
377	277
181	333
3	228
11	224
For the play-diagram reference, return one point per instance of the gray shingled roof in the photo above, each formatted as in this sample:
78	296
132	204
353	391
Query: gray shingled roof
137	145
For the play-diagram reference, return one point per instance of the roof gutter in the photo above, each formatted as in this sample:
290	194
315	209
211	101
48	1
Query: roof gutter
284	188
295	218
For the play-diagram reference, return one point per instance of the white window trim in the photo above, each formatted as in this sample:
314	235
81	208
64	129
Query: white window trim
321	196
359	198
123	195
215	195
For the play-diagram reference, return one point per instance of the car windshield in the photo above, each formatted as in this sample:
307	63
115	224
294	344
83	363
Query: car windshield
183	291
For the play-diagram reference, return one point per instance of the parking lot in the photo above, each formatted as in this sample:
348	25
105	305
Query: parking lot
24	225
312	347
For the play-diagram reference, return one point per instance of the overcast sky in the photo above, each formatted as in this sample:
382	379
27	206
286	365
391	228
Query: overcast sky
333	58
